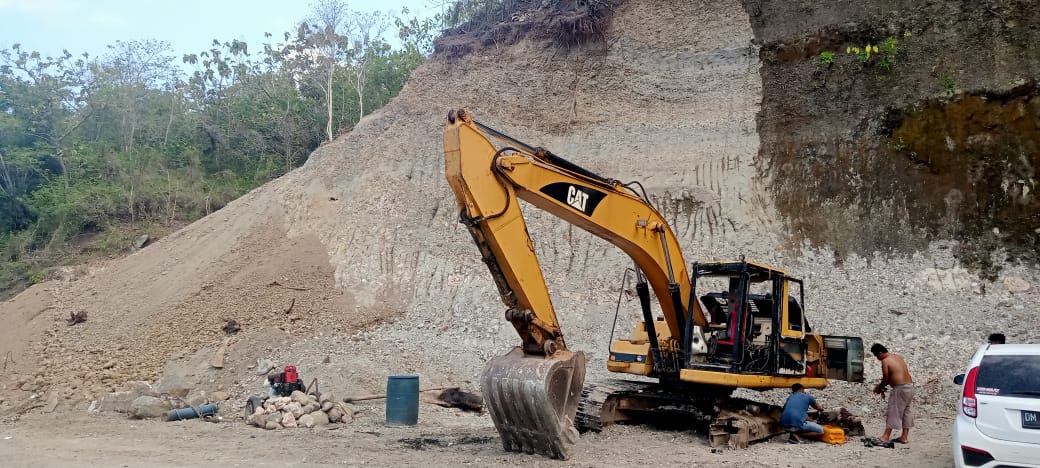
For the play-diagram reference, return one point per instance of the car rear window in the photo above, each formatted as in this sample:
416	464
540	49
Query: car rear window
1009	375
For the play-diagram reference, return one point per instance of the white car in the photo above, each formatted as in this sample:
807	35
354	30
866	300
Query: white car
998	424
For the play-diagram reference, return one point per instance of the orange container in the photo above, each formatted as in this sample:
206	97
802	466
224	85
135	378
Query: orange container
833	435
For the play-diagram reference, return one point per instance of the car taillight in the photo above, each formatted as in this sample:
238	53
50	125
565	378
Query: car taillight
969	405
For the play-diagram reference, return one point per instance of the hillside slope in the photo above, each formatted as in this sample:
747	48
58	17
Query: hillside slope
354	266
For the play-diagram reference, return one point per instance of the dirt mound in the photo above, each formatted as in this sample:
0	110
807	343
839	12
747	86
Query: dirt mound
363	244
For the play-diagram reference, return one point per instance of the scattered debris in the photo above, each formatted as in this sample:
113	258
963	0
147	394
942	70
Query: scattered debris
77	317
52	403
875	442
455	398
841	417
217	362
291	304
275	283
422	443
231	326
1016	284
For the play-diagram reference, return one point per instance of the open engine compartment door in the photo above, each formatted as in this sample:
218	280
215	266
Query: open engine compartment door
844	358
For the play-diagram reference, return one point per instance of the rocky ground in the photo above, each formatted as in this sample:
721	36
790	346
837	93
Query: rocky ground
443	437
354	268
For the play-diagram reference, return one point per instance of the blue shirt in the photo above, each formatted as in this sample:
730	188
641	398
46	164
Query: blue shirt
796	409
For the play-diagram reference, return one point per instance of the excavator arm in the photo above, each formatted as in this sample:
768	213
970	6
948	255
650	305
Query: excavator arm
487	181
532	392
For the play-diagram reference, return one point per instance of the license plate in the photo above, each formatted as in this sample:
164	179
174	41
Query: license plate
1031	419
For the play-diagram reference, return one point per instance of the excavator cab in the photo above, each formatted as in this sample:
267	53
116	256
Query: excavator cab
758	327
756	335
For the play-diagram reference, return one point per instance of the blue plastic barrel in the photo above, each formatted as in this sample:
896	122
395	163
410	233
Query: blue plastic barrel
402	400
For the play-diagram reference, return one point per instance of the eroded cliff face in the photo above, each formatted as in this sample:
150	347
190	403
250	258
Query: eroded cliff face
888	124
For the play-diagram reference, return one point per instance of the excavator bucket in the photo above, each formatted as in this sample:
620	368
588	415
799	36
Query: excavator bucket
533	400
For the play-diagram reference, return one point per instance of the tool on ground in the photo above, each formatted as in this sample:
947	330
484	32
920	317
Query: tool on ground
448	397
286	382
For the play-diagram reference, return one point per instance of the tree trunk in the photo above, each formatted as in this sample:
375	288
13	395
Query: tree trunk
328	101
360	94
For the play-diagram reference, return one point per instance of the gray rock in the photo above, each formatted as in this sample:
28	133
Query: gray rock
117	402
52	402
326	406
1016	284
347	409
299	397
294	409
275	418
145	407
319	418
196	398
218	396
271	425
335	415
141	241
176	384
306	421
263	366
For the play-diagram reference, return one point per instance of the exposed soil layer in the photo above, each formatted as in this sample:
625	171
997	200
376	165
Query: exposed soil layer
911	142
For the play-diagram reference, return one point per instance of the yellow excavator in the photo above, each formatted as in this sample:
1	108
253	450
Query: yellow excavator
755	334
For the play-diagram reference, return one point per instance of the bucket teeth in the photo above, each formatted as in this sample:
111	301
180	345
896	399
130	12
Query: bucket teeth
533	400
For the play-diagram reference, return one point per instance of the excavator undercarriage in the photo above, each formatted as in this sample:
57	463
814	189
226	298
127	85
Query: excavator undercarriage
729	422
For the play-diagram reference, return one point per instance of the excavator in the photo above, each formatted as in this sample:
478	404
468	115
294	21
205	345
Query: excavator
721	326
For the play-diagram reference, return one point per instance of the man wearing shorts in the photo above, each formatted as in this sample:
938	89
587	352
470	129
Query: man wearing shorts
795	418
895	372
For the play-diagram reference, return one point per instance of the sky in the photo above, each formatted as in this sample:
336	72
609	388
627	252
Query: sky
48	26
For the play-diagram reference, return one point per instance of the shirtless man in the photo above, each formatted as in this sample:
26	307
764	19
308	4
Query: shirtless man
895	372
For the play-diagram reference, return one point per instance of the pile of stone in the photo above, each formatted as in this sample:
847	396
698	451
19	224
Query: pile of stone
301	410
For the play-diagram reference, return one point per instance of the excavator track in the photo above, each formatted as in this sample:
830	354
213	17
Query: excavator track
729	422
623	401
598	405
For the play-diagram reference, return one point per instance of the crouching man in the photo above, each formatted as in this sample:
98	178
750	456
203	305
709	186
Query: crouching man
795	418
